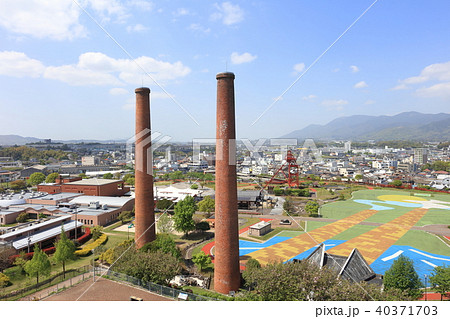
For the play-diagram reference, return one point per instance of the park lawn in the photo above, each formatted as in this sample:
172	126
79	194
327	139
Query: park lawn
312	224
353	232
385	216
424	241
290	233
435	216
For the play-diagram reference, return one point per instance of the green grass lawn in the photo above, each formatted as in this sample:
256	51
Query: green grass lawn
424	241
353	232
312	224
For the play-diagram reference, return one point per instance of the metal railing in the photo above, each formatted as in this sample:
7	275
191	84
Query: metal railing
152	287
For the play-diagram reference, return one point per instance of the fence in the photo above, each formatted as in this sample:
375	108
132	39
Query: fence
58	280
152	287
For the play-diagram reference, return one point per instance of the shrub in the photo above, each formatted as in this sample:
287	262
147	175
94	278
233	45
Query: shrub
86	250
125	216
4	280
22	218
278	191
85	237
96	231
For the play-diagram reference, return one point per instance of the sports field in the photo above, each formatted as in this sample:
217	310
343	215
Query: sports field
379	223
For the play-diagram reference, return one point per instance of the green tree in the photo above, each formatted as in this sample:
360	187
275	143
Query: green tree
165	224
39	265
130	181
396	183
441	280
183	217
5	254
125	216
157	267
96	232
108	176
304	281
19	184
194	186
51	178
403	276
36	178
164	204
163	243
21	261
312	207
4	280
202	226
22	217
65	250
82	175
42	215
358	177
207	205
288	206
201	260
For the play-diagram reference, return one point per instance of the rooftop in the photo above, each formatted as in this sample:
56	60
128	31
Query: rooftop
94	182
110	201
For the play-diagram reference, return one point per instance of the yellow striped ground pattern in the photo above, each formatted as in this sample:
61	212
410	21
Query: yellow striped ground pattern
296	245
373	243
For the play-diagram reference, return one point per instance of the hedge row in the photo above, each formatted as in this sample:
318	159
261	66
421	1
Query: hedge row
86	250
85	237
28	256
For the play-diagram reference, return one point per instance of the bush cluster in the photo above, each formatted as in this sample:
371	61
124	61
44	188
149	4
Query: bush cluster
86	250
303	192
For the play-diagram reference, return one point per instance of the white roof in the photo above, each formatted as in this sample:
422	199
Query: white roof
25	230
46	234
93	181
260	225
110	201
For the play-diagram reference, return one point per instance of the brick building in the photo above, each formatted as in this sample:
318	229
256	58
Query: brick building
90	187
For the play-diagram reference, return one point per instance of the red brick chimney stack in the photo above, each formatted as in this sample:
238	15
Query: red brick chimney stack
144	204
226	265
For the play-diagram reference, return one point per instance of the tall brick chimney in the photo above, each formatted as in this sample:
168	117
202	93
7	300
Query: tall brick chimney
226	265
144	204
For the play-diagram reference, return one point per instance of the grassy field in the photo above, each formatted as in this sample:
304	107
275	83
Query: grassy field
424	241
342	209
353	232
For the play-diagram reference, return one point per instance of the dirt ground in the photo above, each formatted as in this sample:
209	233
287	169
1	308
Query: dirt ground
104	290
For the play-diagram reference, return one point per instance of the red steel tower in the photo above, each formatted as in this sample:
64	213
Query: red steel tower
144	203
287	173
226	265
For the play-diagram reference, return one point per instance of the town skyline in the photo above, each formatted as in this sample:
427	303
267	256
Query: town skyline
79	73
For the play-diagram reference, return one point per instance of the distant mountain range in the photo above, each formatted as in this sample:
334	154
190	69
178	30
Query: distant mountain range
20	140
413	126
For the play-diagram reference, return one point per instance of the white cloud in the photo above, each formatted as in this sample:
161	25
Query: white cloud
136	28
60	19
118	91
299	67
18	64
438	90
309	97
56	20
199	27
335	104
370	102
246	57
400	87
360	85
107	9
181	12
93	68
439	73
141	4
354	68
74	75
228	13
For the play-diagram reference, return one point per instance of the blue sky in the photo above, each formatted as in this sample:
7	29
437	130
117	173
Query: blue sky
63	77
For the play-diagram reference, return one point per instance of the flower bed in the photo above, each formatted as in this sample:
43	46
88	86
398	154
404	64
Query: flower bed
86	250
85	237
